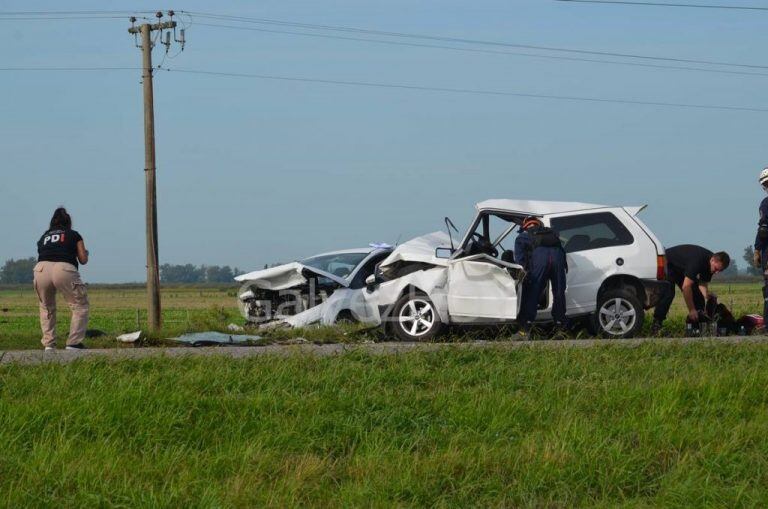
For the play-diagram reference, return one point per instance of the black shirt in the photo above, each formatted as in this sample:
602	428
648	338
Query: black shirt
688	260
58	246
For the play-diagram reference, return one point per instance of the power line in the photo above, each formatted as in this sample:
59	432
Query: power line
660	4
468	91
407	87
68	13
480	50
48	18
24	69
243	19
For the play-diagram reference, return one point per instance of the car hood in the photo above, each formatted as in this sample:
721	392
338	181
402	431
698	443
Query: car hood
284	276
420	249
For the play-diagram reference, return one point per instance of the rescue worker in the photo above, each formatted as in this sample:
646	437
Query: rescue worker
59	250
690	268
539	250
761	243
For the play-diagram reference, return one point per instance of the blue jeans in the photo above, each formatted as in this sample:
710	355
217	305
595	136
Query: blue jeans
547	264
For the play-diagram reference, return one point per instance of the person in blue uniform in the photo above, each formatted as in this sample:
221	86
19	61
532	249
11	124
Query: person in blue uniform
761	243
539	250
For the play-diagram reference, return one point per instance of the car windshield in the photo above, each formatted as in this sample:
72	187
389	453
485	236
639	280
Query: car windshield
339	264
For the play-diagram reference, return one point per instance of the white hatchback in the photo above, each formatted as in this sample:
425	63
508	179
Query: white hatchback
616	271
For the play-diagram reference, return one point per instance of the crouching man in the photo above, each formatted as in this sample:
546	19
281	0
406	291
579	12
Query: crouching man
539	250
691	268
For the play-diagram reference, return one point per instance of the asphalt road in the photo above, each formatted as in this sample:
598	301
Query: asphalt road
65	356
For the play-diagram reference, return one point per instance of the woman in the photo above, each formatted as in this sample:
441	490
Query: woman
59	250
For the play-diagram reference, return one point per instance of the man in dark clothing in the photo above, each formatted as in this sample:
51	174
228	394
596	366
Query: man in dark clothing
761	243
540	252
691	268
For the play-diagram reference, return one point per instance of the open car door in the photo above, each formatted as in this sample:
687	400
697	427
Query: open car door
480	286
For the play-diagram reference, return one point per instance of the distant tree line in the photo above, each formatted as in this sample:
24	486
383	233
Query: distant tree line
189	273
20	271
14	272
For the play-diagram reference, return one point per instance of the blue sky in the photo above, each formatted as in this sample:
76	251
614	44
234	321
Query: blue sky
256	171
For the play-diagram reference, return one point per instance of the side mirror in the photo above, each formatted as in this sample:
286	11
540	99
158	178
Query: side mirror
370	280
443	252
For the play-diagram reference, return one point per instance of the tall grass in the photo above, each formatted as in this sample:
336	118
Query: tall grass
658	425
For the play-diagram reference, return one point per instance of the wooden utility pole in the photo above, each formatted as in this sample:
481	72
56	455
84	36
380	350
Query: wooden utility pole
153	273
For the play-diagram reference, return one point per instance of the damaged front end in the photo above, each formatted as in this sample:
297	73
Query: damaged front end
283	295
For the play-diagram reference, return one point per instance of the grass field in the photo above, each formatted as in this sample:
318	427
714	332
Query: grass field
119	309
660	425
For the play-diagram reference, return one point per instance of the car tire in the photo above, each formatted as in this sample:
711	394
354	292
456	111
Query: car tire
619	314
415	318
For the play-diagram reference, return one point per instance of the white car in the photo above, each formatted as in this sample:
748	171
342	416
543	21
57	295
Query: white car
616	271
323	289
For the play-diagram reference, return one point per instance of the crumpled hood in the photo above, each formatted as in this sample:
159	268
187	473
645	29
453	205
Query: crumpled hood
420	249
276	278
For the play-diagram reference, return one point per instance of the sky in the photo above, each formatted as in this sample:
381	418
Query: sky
254	171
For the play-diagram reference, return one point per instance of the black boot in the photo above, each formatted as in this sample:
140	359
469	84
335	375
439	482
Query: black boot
524	331
656	327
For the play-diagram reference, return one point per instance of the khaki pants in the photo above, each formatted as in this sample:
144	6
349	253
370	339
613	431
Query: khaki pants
64	277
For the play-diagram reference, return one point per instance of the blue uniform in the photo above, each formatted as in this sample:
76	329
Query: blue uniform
542	264
761	246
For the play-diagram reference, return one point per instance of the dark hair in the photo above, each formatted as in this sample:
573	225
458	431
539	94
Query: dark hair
723	258
61	220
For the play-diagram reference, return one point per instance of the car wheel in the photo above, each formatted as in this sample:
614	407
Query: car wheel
415	318
619	314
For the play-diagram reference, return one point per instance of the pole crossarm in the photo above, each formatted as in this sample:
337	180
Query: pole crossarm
166	25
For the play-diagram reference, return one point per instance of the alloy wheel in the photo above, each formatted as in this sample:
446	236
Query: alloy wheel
417	317
617	316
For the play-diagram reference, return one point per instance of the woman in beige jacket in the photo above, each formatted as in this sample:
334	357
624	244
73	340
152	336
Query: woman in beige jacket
59	250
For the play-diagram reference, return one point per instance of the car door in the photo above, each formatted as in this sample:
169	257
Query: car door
594	243
481	287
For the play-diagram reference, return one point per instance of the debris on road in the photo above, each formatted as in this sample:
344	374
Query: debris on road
130	337
216	339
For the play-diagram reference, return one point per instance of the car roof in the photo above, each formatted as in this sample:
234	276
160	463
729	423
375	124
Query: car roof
361	250
536	207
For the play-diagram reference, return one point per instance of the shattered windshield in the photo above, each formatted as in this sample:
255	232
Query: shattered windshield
340	264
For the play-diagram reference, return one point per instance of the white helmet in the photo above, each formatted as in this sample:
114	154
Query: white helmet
764	177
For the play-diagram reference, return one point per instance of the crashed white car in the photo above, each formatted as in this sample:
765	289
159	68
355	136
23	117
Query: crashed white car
616	271
323	289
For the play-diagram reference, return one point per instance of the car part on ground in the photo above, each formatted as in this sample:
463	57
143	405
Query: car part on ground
216	339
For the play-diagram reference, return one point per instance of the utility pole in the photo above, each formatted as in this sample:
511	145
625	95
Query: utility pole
145	30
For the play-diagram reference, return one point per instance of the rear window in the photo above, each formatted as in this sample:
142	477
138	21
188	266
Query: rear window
591	231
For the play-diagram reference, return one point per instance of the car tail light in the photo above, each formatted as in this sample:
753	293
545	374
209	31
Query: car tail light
661	267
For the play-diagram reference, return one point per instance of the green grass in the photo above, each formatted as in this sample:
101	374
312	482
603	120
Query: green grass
119	309
654	426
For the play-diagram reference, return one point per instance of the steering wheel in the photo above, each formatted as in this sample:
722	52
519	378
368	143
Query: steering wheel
485	245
